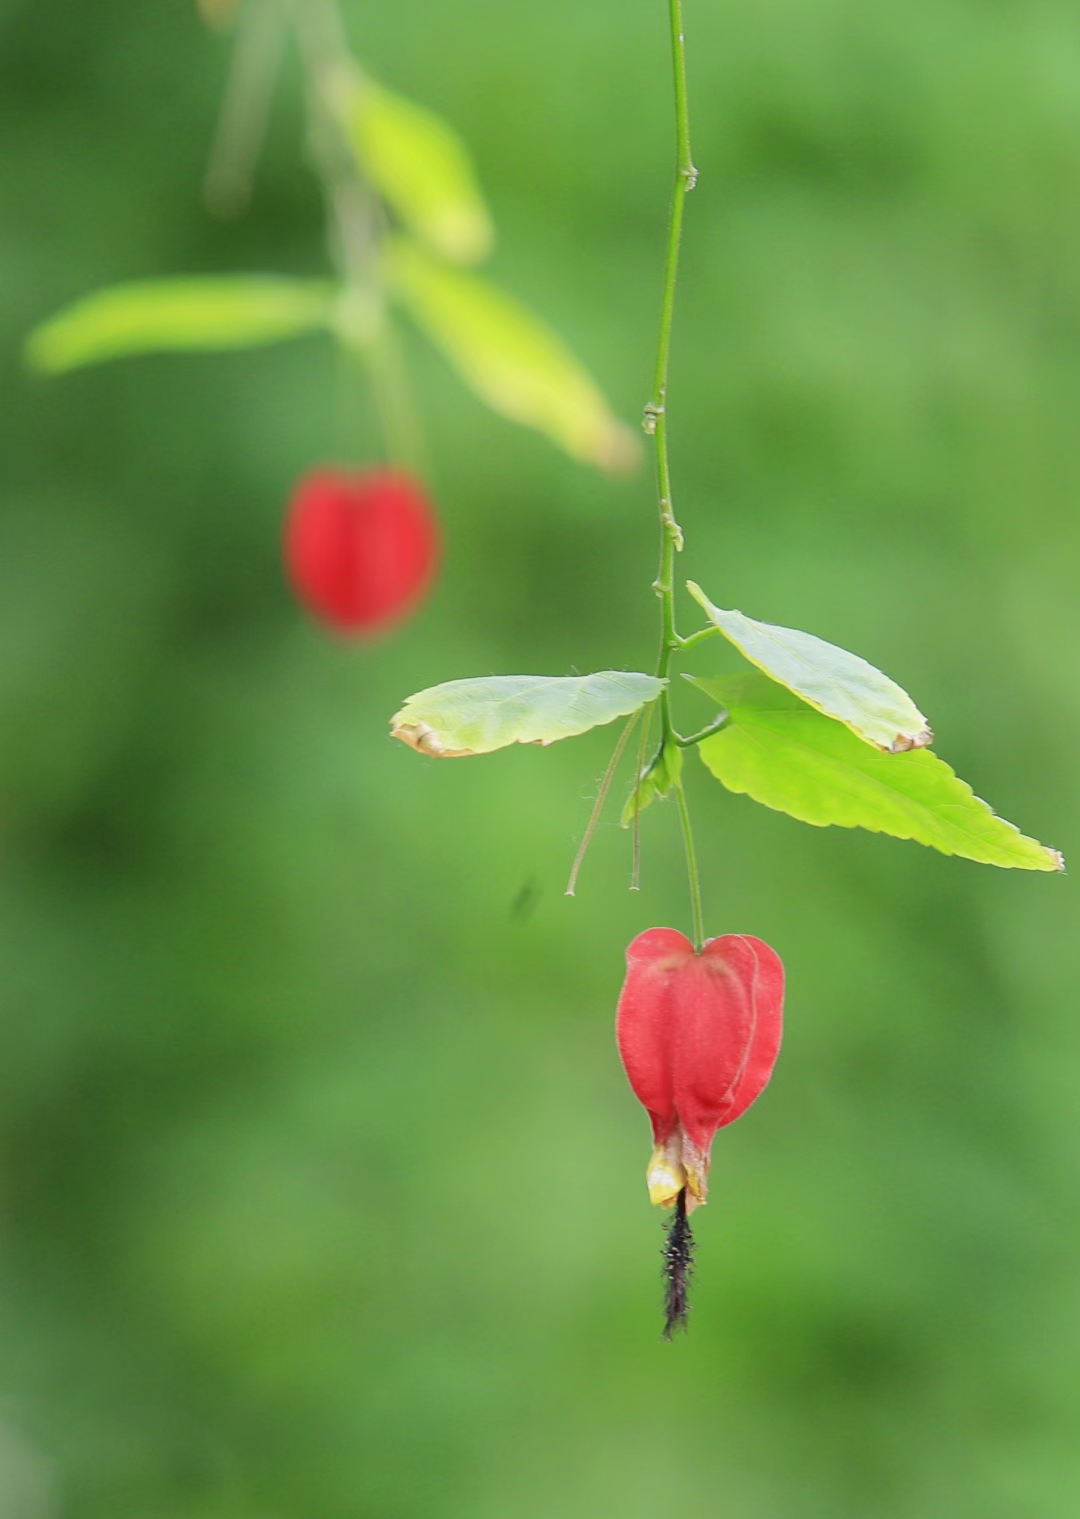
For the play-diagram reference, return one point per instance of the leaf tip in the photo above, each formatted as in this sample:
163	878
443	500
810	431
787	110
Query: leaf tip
37	352
424	739
1058	858
903	743
618	450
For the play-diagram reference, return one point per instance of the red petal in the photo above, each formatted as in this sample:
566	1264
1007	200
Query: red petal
699	1033
645	1021
730	1032
360	548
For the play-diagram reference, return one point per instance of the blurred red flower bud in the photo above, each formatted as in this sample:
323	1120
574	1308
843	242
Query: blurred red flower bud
698	1034
361	547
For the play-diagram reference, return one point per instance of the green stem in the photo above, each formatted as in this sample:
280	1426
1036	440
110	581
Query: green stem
656	423
685	178
696	914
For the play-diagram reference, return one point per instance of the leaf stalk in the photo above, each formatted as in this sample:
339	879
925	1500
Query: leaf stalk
693	639
707	732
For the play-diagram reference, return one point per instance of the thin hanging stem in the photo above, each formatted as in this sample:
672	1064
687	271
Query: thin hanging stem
635	873
691	868
245	107
357	221
399	415
598	805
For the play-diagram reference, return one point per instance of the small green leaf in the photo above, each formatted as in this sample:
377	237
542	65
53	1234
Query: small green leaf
158	316
657	779
837	683
466	717
418	164
510	358
791	758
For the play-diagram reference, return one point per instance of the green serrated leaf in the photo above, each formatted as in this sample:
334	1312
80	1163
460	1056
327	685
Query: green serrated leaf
158	316
659	776
465	717
791	758
418	163
837	683
509	357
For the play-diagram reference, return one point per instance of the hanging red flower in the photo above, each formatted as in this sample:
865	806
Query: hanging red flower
698	1033
361	547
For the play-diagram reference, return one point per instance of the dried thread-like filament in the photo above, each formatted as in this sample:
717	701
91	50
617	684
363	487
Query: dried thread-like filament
598	807
678	1268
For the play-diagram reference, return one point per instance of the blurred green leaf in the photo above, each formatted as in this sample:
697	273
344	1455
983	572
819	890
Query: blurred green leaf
466	717
510	358
784	754
418	163
837	683
157	316
657	779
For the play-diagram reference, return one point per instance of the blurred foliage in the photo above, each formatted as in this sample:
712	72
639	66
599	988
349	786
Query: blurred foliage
185	315
322	1189
419	165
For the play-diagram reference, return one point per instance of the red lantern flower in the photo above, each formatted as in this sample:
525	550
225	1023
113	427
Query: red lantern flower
698	1033
361	547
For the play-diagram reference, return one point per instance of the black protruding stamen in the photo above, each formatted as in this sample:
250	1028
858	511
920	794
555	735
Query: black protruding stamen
678	1268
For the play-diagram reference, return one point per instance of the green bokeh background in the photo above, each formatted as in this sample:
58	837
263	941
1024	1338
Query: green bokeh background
322	1192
